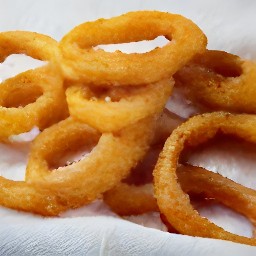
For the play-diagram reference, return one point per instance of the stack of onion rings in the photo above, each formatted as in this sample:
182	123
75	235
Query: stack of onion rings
116	103
96	106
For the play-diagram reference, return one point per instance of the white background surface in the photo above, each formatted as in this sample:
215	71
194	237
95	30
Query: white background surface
229	25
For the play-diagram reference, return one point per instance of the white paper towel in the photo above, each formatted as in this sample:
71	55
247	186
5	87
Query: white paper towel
229	26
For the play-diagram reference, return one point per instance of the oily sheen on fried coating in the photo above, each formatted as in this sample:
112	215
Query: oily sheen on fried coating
172	201
83	63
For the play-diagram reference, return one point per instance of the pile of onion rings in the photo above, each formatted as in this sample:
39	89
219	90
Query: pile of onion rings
111	107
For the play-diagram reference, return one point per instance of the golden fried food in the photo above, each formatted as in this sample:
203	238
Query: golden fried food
220	81
21	195
171	200
111	109
117	117
104	167
197	180
32	98
125	199
33	44
85	64
35	97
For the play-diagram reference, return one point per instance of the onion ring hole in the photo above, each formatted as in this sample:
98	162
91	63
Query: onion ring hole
142	46
73	151
18	63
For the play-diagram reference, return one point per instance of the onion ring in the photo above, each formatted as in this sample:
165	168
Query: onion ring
220	81
172	201
33	44
84	64
108	163
126	105
35	97
32	98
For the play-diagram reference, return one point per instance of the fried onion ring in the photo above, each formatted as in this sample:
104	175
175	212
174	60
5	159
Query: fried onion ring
109	110
35	97
171	200
106	165
84	64
220	81
32	98
33	44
